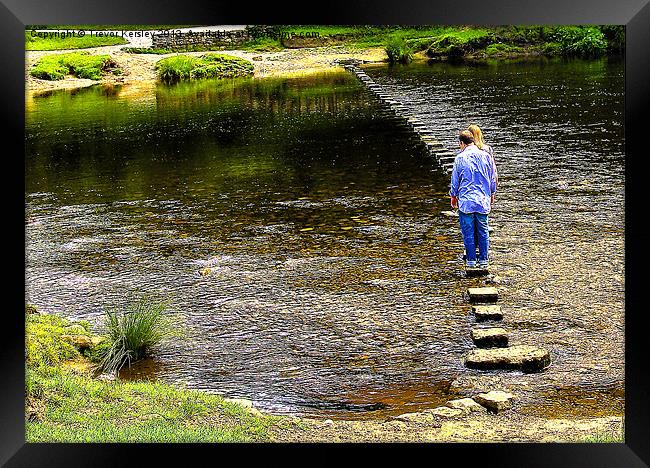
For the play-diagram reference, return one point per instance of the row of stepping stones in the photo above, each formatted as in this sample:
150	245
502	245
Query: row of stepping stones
493	351
434	147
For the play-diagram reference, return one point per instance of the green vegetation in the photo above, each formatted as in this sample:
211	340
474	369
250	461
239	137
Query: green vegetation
263	44
79	64
133	332
33	42
64	403
462	41
185	67
398	51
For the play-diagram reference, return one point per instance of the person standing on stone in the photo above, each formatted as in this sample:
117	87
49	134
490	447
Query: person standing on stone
473	185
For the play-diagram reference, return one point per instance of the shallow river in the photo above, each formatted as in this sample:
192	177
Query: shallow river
296	231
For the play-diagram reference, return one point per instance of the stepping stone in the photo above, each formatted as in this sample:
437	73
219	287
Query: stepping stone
476	271
495	401
490	337
466	405
445	412
487	312
488	294
521	357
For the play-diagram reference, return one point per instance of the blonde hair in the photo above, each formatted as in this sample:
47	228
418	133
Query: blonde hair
477	134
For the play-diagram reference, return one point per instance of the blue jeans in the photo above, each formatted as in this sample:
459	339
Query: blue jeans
474	227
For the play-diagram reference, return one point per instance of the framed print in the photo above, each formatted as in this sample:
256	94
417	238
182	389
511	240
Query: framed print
415	223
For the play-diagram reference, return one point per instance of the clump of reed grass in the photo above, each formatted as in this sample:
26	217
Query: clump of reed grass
133	331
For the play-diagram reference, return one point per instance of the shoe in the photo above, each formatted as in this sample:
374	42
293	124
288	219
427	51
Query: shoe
470	264
483	265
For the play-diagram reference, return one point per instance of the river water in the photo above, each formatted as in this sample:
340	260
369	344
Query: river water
296	231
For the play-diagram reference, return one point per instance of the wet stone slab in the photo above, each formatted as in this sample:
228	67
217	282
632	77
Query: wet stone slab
522	357
495	401
490	337
488	294
487	312
477	271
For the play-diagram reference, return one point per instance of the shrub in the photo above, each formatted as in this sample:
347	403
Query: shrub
580	41
131	333
615	36
79	64
185	67
398	51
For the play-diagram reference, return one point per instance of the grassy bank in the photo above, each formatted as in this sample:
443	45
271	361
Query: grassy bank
458	41
65	42
79	64
186	67
66	404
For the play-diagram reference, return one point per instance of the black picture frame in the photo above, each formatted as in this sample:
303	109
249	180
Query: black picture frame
635	14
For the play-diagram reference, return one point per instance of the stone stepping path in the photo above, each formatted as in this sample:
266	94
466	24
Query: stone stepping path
424	134
493	351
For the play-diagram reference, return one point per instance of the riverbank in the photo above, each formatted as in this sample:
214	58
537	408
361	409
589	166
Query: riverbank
68	401
140	68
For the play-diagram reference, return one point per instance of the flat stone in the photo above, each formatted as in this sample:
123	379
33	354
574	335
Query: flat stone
487	294
476	271
466	405
415	417
490	337
495	400
521	357
487	312
445	412
78	341
451	214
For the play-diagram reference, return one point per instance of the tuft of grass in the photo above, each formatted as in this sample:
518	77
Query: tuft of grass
185	67
398	50
131	333
79	64
51	42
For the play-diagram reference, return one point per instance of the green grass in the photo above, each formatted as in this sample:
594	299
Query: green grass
263	44
186	67
69	42
66	407
79	64
131	333
63	406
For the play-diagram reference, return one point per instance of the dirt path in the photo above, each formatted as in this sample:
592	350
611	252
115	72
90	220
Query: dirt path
140	67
